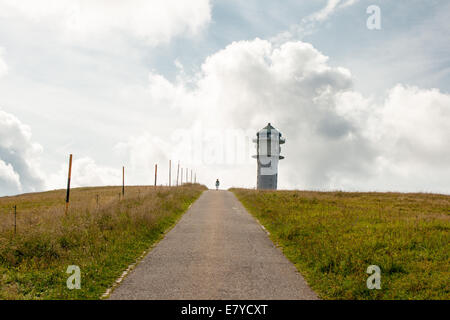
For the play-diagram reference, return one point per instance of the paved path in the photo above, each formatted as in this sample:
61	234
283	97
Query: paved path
216	251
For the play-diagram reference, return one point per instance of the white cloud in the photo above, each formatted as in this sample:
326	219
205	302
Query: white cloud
336	138
19	157
3	65
151	20
414	139
140	154
85	173
348	3
330	8
308	25
9	179
325	12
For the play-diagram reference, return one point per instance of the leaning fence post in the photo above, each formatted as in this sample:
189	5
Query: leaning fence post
68	184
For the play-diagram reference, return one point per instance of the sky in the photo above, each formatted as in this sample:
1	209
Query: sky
142	82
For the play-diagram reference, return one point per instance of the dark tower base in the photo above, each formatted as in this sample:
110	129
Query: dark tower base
267	182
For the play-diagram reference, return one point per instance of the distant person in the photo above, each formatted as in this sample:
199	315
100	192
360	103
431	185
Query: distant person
217	184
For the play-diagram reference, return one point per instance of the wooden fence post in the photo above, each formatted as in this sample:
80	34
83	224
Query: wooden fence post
156	173
123	181
68	184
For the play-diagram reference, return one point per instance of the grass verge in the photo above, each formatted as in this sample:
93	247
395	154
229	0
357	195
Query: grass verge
332	238
103	234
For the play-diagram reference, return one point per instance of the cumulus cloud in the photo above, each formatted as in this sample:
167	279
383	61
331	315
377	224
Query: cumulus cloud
19	157
9	179
336	137
3	65
325	12
412	134
141	153
151	20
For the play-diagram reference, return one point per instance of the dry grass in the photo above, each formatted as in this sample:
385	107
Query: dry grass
332	237
102	237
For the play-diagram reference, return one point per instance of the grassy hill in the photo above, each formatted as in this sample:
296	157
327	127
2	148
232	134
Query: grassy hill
332	237
102	233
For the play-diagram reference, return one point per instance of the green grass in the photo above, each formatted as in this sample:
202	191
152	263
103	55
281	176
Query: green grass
332	237
102	239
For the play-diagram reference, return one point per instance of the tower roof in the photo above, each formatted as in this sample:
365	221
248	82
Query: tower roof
269	126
